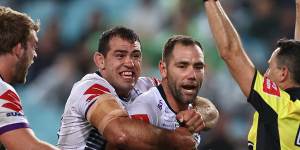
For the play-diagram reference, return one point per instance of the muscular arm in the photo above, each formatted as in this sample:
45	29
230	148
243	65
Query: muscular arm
23	139
297	25
208	111
122	132
229	45
203	116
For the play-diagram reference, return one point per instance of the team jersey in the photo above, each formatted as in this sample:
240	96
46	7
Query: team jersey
276	122
152	107
76	132
11	111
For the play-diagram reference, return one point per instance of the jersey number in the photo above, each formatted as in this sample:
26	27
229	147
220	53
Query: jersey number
297	142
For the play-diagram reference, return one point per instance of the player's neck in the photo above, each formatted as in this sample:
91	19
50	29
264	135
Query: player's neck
5	71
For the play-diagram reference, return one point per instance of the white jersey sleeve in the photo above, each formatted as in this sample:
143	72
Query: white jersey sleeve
11	111
87	94
75	130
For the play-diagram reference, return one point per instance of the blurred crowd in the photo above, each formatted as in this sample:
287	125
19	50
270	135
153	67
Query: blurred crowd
69	36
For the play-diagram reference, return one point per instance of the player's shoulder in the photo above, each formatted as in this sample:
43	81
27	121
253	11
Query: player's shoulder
5	86
9	99
145	83
150	96
6	90
149	80
93	81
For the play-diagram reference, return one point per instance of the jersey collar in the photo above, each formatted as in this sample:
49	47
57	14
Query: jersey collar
98	73
163	95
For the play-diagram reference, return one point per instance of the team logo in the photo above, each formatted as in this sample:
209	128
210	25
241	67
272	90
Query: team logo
159	105
95	90
270	87
142	117
13	101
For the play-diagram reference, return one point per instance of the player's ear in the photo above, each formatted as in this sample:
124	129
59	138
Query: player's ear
162	69
99	60
18	50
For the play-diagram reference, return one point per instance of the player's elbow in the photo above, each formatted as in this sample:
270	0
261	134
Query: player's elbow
229	52
228	48
120	140
214	117
116	133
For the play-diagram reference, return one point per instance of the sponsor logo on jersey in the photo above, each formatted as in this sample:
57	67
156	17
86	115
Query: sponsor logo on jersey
10	114
95	90
270	87
13	101
142	117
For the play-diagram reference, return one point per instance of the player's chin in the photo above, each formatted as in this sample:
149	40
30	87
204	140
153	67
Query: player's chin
189	98
127	85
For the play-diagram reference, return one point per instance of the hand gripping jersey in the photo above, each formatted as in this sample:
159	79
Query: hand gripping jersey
276	124
11	111
76	132
152	107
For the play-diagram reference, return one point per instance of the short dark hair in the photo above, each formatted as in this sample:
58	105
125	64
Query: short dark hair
15	28
119	31
289	55
170	44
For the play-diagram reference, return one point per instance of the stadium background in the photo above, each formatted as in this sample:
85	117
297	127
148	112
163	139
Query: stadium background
69	35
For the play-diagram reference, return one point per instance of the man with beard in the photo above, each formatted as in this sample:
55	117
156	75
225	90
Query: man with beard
182	71
95	115
18	44
274	95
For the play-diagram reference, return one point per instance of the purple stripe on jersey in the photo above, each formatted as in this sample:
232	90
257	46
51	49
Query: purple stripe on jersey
13	127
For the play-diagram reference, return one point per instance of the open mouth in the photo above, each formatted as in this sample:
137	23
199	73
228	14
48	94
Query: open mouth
189	89
129	75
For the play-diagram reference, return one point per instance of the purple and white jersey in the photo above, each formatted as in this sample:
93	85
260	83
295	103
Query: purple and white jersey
153	107
76	132
11	111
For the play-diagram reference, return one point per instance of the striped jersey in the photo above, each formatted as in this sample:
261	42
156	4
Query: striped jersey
152	107
75	132
11	111
276	122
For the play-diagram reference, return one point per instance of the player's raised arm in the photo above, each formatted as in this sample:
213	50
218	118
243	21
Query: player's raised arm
113	123
229	45
297	25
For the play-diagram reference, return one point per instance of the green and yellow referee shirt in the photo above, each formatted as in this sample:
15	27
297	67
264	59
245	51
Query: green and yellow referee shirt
276	122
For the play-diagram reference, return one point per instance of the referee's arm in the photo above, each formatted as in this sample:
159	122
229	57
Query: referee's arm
297	25
229	45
